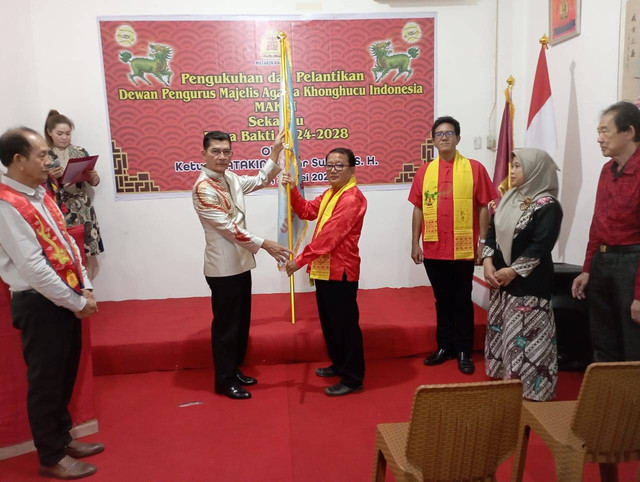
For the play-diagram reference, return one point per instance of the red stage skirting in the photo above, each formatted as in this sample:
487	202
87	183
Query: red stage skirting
146	335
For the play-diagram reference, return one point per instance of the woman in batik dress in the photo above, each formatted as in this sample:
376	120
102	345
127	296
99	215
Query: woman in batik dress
521	334
74	199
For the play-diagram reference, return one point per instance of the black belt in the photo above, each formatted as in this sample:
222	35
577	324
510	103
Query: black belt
24	292
630	248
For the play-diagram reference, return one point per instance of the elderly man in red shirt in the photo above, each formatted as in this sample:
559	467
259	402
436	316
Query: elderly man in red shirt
611	271
334	264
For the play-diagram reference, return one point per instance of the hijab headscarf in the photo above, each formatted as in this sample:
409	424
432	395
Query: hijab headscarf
540	180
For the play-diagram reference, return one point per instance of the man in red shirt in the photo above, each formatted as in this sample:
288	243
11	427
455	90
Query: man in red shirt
449	223
611	269
333	263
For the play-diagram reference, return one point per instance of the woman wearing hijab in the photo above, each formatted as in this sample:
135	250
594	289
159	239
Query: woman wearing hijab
521	333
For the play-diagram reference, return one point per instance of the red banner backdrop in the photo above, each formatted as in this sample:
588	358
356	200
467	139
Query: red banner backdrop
366	84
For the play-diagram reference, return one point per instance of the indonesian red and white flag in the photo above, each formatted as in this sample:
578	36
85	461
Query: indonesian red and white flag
541	125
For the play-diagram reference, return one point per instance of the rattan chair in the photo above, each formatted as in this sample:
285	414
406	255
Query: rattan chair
603	425
456	432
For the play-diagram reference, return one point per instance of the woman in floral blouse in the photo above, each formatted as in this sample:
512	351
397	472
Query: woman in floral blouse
73	199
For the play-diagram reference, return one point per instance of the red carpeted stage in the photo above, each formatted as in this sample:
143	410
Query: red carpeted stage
167	425
141	336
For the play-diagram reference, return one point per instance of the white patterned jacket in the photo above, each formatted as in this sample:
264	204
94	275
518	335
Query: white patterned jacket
219	201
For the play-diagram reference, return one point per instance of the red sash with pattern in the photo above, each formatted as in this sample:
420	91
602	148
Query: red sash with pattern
67	266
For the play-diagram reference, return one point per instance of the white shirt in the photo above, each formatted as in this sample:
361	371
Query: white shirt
219	201
23	265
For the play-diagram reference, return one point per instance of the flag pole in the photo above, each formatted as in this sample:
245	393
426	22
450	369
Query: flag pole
509	93
292	288
287	162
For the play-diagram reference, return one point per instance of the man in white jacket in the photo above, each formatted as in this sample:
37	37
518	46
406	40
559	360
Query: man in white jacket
218	198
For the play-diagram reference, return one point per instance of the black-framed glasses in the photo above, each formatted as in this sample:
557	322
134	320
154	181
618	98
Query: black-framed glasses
336	167
217	152
444	134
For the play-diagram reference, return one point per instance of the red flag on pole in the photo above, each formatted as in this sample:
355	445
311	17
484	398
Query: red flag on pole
501	179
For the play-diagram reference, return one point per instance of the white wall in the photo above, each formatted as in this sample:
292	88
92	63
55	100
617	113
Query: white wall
584	82
19	100
583	73
153	248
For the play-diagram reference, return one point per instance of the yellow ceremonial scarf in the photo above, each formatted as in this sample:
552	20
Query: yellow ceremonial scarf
320	267
463	247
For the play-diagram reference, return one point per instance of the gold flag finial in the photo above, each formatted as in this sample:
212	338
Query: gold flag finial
511	81
544	40
281	35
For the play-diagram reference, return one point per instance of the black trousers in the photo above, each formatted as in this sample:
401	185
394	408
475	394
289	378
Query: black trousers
231	306
614	335
452	282
51	346
339	318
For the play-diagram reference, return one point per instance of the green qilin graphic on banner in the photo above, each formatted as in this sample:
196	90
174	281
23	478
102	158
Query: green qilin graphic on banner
157	64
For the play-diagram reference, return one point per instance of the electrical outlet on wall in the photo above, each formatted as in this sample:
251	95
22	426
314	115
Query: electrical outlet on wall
491	142
477	142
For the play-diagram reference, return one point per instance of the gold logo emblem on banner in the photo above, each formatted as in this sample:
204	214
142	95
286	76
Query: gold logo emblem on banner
270	45
126	36
411	32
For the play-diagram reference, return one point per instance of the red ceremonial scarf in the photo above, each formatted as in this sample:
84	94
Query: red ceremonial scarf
66	264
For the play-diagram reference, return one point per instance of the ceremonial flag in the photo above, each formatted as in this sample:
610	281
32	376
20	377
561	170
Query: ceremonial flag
501	172
541	125
292	151
291	229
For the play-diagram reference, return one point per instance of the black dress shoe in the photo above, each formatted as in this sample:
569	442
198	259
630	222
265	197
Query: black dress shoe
465	363
235	392
326	372
439	356
340	389
244	379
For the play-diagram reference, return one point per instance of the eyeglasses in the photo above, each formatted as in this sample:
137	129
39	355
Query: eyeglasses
217	152
335	167
444	134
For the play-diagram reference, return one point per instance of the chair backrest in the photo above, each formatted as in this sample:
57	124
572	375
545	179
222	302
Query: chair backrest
607	416
463	431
